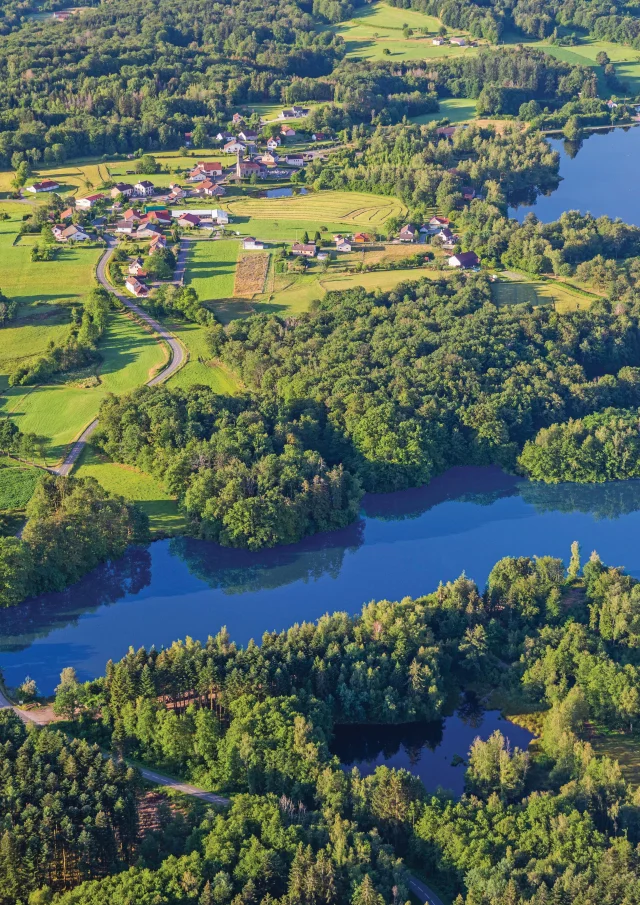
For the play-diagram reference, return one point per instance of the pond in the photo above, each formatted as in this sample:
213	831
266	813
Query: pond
403	544
435	752
284	192
599	175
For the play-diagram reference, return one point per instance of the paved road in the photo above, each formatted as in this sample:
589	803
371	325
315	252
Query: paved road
422	891
177	354
181	261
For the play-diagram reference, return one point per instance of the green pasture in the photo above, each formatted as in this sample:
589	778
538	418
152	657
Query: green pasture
127	481
211	268
378	27
17	485
199	369
59	411
455	109
623	747
538	292
64	280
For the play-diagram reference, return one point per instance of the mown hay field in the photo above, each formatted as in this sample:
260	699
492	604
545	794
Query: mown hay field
211	268
359	210
251	274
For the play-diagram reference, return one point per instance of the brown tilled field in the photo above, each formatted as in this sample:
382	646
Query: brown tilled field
251	273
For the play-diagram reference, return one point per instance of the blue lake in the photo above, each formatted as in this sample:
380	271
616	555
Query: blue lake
403	544
599	175
432	751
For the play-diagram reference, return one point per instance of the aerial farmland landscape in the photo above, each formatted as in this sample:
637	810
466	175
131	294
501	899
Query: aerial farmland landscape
319	453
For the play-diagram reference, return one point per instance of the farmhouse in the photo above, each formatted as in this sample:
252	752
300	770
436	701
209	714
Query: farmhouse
132	215
57	231
124	226
295	160
319	136
437	223
294	112
407	233
247	135
176	194
144	188
47	185
237	119
447	237
189	221
85	204
288	132
73	234
136	267
361	238
224	136
437	42
147	231
464	260
343	245
205	170
269	159
162	216
232	147
67	213
274	143
251	244
307	250
460	42
221	217
136	287
156	243
122	188
323	255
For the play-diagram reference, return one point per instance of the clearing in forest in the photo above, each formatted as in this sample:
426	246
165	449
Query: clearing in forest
251	274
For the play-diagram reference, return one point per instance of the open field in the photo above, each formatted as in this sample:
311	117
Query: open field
162	509
17	485
211	268
378	27
381	279
59	411
199	369
251	274
357	210
66	279
623	748
455	109
538	292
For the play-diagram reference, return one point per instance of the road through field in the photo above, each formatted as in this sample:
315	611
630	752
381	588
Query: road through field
175	362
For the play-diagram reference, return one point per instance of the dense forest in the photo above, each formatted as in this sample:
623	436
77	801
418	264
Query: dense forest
554	824
375	391
72	526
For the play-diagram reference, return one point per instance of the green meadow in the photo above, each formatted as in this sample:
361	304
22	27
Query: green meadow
127	481
211	267
199	369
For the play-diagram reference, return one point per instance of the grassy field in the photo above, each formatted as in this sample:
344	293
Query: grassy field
278	218
17	485
211	268
162	509
60	411
623	748
538	292
455	109
61	281
378	27
199	369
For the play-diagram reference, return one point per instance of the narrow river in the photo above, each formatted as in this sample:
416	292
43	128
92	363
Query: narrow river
403	544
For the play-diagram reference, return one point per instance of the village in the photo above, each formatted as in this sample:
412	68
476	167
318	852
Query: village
158	221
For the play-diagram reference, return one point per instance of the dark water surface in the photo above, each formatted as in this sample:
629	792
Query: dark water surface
403	544
432	751
599	175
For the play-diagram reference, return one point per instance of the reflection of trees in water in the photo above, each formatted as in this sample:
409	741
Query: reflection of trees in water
355	744
21	625
469	484
240	571
470	710
603	501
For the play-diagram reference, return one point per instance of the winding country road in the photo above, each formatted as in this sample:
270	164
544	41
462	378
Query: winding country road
177	355
419	889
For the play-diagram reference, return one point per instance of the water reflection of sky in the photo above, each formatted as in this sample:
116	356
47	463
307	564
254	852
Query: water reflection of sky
403	545
599	175
431	751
